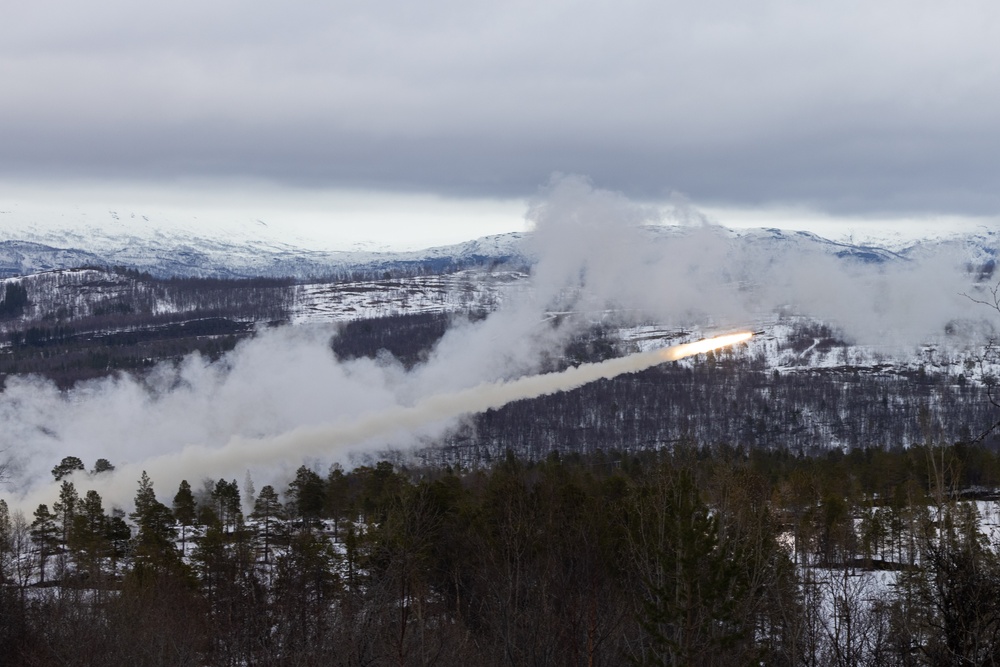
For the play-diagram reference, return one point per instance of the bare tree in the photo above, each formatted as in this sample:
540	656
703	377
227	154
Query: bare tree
6	466
988	358
21	566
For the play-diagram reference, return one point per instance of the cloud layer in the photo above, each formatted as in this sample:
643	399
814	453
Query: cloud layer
847	107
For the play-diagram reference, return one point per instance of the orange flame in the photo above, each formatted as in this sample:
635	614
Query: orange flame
705	345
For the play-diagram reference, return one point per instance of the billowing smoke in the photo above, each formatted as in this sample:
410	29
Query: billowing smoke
282	398
620	255
329	441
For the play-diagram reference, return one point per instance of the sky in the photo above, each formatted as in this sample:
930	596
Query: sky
439	120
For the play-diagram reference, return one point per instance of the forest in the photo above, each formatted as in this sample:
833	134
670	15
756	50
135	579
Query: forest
73	326
693	556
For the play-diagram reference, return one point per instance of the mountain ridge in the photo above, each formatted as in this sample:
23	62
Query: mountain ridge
251	252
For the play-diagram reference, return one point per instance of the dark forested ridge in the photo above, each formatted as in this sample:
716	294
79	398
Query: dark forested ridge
697	556
727	398
732	404
77	325
408	338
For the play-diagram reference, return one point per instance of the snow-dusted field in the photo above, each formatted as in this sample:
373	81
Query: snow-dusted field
455	292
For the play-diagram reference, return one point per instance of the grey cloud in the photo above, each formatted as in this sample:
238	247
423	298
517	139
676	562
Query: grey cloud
853	107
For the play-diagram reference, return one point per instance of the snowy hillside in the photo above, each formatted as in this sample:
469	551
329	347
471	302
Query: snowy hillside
164	246
31	242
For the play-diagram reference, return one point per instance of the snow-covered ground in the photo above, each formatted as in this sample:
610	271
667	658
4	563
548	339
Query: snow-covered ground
455	292
773	345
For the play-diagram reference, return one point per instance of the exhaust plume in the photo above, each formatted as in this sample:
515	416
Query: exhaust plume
322	441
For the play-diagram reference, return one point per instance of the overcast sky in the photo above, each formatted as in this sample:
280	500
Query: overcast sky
860	110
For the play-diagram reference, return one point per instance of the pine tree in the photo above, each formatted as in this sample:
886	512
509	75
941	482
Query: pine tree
185	510
5	538
268	512
154	546
65	509
337	491
119	537
226	496
692	584
89	539
45	534
307	495
144	497
306	581
66	467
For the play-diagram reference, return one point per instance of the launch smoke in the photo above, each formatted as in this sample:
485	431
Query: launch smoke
324	441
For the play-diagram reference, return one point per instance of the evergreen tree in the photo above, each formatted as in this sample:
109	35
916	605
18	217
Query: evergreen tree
92	522
268	513
102	465
307	495
89	539
145	498
65	509
119	537
337	498
185	510
692	584
154	547
67	466
5	538
226	496
45	534
381	487
210	560
305	585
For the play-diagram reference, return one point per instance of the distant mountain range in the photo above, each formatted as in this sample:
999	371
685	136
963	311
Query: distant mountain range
205	257
252	252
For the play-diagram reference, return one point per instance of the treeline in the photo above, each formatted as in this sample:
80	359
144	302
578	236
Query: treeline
67	355
697	556
15	300
725	399
122	297
82	324
408	338
439	266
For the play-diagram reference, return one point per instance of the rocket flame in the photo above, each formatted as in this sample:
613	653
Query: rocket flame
705	345
241	453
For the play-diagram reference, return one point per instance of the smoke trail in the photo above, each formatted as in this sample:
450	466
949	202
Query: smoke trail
301	443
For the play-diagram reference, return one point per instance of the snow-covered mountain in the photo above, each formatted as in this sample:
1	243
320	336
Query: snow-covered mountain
253	249
195	256
166	245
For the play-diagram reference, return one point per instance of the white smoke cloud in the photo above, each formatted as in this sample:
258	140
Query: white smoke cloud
282	397
895	305
332	440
